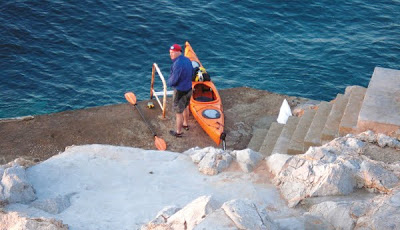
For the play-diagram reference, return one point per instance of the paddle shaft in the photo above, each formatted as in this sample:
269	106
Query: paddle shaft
145	121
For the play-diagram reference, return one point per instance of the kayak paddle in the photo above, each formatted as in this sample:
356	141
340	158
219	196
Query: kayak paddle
159	143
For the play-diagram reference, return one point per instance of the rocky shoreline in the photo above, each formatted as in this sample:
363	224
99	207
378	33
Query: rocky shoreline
39	137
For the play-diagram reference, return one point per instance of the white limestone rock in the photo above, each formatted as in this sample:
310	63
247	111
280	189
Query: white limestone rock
192	151
197	157
336	168
376	177
53	205
306	178
214	162
384	140
368	136
217	220
293	191
381	139
335	179
355	144
359	208
293	185
395	168
394	199
396	144
247	159
321	171
336	213
348	145
24	163
245	215
210	160
166	213
197	154
320	155
13	220
16	188
208	165
160	221
384	213
193	213
223	161
276	162
352	163
312	222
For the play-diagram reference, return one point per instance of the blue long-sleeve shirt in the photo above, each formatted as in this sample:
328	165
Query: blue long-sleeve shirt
181	74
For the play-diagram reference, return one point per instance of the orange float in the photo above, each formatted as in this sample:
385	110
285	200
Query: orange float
206	105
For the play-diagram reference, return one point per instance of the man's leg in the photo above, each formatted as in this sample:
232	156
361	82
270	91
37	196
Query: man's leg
186	116
179	122
186	111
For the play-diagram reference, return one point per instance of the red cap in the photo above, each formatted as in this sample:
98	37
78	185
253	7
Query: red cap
176	48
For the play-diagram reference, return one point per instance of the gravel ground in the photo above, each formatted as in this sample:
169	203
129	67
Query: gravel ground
40	137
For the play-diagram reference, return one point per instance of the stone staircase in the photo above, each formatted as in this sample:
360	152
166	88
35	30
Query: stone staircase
359	109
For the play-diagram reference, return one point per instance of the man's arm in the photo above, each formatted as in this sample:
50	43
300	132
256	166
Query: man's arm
174	77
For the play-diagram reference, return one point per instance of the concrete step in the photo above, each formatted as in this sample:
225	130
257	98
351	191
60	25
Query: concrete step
380	110
348	124
257	139
260	130
270	139
282	143
331	129
296	145
313	136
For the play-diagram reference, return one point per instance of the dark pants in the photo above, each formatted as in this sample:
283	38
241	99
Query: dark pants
181	100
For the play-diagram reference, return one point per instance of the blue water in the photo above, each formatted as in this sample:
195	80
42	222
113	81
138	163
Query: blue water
63	55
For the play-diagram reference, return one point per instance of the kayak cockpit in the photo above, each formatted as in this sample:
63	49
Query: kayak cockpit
203	93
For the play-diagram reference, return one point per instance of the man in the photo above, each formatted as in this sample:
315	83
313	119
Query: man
181	80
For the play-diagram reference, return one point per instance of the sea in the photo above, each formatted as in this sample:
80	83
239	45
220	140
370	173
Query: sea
65	55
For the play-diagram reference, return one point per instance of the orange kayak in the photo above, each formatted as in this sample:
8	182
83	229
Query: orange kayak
205	104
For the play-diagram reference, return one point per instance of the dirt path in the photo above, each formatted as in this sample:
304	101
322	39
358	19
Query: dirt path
46	135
